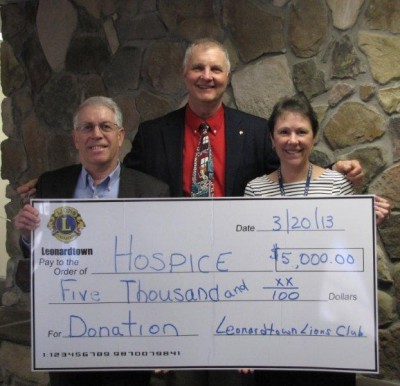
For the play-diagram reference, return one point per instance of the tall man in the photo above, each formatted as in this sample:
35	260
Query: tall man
165	148
241	148
98	135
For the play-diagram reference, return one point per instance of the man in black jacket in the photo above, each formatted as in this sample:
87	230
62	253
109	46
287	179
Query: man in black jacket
98	135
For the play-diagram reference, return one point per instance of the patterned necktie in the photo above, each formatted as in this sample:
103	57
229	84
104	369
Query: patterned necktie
203	168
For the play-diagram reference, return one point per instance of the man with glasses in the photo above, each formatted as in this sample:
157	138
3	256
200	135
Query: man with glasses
98	135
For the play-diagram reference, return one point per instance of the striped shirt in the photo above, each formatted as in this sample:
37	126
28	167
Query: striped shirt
329	183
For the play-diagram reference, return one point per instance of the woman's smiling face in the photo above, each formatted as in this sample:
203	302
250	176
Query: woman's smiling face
293	138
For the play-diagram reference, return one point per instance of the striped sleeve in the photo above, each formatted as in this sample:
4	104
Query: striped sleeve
330	183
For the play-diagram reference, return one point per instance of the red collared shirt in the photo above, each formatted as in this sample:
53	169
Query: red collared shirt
191	139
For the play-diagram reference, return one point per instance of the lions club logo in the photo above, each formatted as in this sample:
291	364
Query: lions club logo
66	224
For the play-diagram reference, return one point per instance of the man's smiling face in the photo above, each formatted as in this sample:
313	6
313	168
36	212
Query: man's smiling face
206	75
97	149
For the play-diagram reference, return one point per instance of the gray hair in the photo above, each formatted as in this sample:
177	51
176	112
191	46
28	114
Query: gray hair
206	43
100	101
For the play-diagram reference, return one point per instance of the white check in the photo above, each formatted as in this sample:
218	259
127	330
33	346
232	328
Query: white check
205	283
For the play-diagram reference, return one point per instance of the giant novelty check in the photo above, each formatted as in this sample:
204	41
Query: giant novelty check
205	283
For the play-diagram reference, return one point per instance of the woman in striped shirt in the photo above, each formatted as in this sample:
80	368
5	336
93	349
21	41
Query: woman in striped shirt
293	127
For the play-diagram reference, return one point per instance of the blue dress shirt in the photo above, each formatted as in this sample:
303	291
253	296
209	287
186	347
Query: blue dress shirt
108	188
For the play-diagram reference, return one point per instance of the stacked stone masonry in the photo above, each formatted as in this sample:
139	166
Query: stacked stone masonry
342	54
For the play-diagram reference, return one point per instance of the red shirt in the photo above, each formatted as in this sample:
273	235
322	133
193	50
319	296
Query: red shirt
191	139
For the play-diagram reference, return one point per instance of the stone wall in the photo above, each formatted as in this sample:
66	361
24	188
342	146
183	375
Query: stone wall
343	54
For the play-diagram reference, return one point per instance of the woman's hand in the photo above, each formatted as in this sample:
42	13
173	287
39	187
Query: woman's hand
382	209
246	371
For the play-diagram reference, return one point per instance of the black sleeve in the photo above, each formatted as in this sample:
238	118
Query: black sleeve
271	158
135	158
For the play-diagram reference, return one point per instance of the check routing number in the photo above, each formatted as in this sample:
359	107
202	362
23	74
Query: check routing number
205	283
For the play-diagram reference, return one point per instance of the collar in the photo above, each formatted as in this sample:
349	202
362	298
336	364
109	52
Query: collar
108	182
193	121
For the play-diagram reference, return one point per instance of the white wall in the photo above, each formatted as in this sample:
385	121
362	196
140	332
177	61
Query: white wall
3	201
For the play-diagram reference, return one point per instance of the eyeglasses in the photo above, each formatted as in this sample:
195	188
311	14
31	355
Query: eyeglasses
105	127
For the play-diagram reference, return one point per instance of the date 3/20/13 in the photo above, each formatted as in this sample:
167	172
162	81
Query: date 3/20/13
290	222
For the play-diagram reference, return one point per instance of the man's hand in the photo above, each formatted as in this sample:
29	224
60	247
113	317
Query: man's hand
26	221
27	190
351	169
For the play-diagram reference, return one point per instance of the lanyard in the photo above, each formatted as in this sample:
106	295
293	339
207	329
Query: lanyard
306	188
